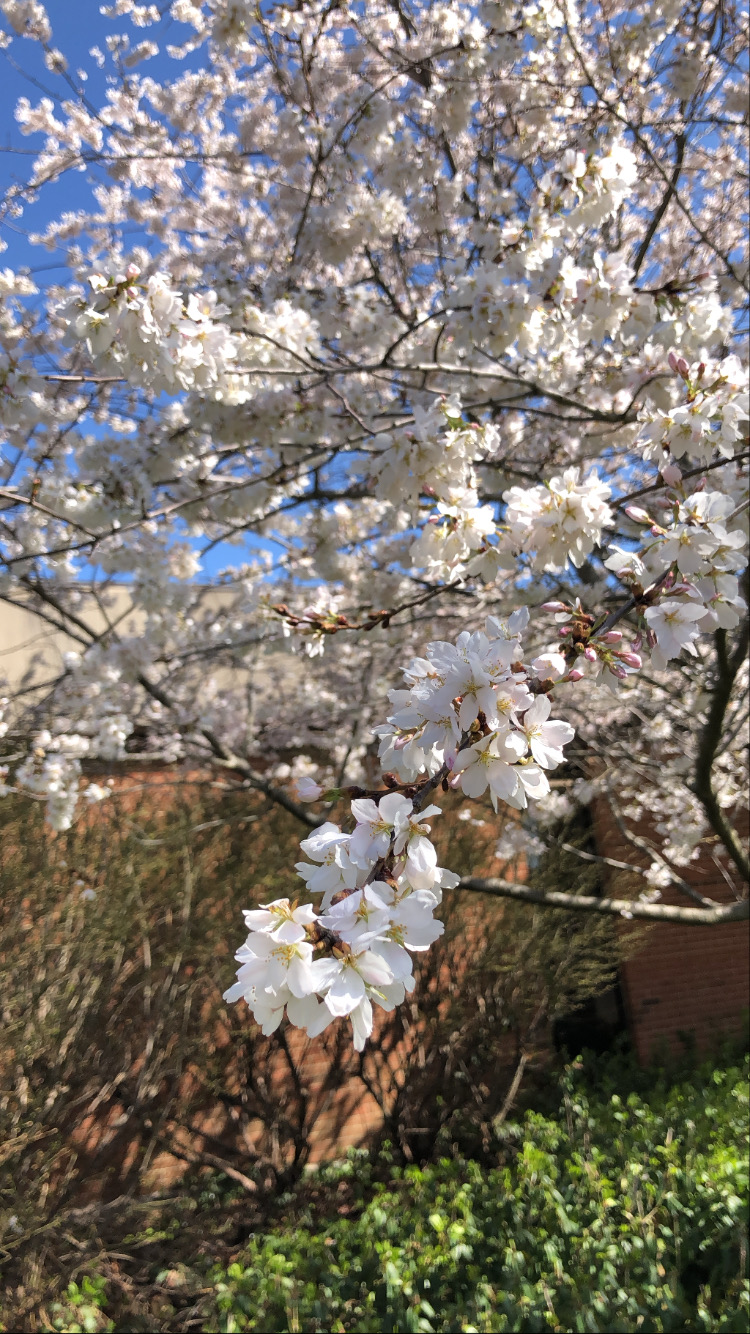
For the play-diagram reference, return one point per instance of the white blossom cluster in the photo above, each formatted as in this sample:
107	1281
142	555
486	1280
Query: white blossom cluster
145	331
708	556
53	771
469	706
434	457
28	18
449	541
559	522
434	452
709	422
696	535
380	886
381	883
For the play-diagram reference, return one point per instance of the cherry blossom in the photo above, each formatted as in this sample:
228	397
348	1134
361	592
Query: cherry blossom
674	625
546	739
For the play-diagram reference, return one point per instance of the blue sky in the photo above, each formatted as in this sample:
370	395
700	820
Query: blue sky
77	26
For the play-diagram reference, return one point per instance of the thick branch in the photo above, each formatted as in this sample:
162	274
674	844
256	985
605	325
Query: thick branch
711	737
652	912
663	206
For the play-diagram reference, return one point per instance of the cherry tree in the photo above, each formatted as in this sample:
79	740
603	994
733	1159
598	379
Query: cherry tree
395	366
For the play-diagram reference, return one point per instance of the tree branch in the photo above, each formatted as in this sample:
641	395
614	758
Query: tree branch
663	206
227	758
728	667
652	912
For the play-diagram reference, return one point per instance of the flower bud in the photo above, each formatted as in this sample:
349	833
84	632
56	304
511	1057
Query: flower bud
132	271
618	671
564	630
612	637
637	514
678	364
575	675
554	606
631	659
672	474
589	653
638	640
307	789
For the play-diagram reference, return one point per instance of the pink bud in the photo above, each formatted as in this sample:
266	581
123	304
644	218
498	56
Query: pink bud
564	630
637	514
701	371
589	653
680	588
631	659
575	675
618	671
638	640
671	474
554	606
612	637
132	271
678	364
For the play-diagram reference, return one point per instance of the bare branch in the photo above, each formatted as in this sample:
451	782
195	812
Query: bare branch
711	738
651	912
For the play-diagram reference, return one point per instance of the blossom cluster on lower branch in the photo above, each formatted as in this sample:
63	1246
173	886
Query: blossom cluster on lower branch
474	717
321	965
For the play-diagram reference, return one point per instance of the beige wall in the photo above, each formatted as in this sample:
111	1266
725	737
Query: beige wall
31	650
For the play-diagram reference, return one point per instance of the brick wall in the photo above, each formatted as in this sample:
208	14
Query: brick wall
685	983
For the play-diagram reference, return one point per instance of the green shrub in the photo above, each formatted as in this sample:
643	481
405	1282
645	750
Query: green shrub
621	1214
